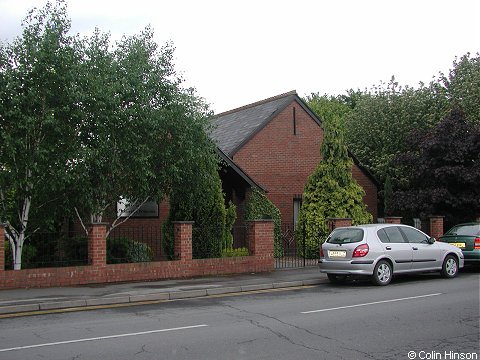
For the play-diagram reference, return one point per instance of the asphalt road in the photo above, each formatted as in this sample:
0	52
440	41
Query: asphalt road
421	317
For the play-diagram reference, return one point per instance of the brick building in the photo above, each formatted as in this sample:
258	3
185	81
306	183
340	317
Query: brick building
277	142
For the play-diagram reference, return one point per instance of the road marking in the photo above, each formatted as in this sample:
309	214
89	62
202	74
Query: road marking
101	338
371	303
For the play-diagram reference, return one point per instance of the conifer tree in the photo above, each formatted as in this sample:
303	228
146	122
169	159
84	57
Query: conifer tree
331	190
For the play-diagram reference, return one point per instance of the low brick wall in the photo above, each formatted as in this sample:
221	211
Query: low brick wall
261	260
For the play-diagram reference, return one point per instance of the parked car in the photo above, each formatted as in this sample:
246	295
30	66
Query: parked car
467	238
382	250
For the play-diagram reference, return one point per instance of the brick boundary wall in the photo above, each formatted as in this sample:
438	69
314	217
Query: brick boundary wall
260	237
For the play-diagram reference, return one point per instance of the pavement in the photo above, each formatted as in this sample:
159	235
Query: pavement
17	301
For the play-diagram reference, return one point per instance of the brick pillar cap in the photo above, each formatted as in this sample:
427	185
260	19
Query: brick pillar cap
183	222
99	223
260	220
436	216
336	218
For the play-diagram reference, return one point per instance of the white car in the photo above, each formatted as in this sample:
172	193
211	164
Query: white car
382	250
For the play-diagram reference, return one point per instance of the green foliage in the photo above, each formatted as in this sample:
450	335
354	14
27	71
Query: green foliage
121	250
330	191
84	123
462	86
329	107
258	206
378	127
230	252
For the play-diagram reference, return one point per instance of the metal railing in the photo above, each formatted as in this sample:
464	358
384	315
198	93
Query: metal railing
296	251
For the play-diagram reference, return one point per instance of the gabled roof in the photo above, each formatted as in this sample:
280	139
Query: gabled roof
232	129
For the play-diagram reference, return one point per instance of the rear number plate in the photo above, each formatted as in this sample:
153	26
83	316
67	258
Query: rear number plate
459	245
337	254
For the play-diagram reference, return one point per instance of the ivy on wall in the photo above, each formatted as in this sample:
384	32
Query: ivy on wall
258	206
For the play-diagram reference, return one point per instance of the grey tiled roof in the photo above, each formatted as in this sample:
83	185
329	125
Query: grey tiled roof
233	128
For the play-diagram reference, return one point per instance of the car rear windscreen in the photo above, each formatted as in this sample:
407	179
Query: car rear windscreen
471	230
345	236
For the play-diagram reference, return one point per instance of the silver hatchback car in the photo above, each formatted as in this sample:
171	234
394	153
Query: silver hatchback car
381	250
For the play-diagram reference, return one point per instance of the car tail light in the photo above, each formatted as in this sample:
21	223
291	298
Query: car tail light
361	250
321	252
477	243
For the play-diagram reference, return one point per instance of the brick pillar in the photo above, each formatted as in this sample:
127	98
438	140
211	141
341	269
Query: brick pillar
436	226
182	231
97	244
260	238
2	247
393	219
333	223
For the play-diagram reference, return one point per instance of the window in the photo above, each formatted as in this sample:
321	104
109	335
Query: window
472	230
383	236
297	204
414	236
394	234
345	236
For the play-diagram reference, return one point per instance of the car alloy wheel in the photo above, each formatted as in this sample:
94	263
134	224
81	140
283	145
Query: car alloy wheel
450	267
382	274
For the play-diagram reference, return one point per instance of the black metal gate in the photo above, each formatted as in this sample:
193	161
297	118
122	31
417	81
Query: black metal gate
295	251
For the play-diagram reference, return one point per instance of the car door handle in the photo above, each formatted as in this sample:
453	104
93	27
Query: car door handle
388	248
415	248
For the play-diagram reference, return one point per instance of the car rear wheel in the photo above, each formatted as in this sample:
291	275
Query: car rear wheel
382	274
450	267
337	279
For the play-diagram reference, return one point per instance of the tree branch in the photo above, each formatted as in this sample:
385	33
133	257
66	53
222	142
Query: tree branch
116	223
81	221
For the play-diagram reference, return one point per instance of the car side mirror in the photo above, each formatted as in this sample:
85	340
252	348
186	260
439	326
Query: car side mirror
431	240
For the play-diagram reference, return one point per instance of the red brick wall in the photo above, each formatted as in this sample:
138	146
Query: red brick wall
282	162
261	261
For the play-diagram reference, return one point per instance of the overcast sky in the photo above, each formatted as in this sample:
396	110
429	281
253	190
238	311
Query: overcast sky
238	52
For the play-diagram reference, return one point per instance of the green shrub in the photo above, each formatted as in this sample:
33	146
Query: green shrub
229	252
139	252
125	250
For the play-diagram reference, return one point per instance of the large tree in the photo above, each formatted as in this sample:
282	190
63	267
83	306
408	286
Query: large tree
462	85
444	171
86	123
378	127
38	120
